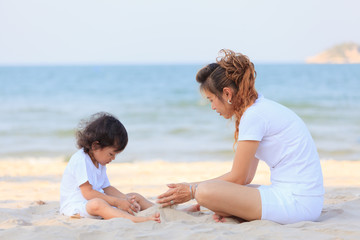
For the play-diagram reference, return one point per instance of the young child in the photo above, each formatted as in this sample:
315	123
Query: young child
85	188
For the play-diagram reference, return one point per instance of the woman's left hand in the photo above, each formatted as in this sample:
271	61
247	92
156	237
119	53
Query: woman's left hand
177	193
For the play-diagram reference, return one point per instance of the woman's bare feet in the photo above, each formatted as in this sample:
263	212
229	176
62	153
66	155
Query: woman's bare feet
193	208
218	218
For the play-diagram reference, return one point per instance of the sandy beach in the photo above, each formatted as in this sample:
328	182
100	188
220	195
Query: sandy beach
29	204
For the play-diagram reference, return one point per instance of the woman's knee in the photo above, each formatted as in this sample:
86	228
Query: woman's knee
204	191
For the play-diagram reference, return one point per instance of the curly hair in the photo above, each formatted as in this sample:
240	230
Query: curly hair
233	70
104	129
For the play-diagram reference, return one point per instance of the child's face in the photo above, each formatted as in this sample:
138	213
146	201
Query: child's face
105	155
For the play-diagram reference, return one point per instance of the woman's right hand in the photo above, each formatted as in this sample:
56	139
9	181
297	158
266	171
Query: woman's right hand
177	193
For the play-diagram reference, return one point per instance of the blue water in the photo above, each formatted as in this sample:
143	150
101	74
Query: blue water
163	111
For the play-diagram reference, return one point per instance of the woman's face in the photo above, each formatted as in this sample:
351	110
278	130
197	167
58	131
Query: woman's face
220	106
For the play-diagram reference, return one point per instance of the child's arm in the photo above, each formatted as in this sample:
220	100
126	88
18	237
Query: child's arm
89	193
112	191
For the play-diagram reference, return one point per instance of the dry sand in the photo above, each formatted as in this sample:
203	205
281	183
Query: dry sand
29	204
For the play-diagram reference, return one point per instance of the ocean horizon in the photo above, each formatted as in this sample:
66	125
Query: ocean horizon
163	111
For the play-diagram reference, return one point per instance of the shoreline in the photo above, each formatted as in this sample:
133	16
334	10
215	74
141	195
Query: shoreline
148	177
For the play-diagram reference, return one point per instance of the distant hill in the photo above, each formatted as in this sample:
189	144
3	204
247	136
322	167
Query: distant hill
343	53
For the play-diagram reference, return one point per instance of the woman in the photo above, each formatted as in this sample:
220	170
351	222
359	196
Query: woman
264	130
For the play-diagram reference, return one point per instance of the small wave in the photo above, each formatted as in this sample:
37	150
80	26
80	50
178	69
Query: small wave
65	133
179	131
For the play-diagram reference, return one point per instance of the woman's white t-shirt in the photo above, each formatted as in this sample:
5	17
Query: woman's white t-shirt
285	145
79	170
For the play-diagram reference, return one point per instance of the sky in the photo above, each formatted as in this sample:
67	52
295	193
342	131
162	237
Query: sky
81	32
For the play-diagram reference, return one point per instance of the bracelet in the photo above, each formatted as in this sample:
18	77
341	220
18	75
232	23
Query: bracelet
191	194
195	189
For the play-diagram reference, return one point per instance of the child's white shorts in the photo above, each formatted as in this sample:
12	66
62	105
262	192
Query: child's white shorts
282	206
77	208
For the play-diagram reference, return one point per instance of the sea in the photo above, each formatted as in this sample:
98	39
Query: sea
163	110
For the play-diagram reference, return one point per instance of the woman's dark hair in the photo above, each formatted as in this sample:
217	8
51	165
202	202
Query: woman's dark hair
233	70
104	129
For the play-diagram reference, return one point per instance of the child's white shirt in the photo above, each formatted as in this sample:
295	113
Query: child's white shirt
79	170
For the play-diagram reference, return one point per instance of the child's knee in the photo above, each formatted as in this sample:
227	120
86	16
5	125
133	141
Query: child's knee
94	205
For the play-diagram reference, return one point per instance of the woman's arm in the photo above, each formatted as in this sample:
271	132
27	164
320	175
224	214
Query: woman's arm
244	164
252	170
242	172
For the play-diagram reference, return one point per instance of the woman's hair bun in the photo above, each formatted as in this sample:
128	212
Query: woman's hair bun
236	65
205	72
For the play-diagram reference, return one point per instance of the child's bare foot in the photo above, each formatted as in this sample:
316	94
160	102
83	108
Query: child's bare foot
155	217
193	208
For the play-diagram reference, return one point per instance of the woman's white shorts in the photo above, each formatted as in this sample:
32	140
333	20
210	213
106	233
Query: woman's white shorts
282	206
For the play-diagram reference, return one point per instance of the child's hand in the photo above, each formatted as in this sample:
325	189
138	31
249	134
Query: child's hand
133	201
126	206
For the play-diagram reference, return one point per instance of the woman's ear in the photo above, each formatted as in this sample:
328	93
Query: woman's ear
227	93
